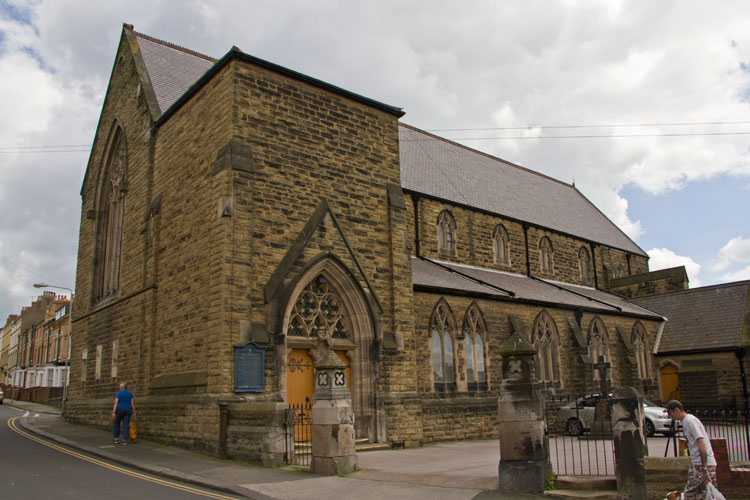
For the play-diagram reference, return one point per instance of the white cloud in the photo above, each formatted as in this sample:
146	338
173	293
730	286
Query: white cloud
476	64
736	251
664	258
741	275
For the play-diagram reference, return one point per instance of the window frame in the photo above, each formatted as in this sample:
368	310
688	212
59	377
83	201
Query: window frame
501	253
475	329
546	255
446	233
443	327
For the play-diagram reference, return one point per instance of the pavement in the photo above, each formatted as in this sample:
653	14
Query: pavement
441	471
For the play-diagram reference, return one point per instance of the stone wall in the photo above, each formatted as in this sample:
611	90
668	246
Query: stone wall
647	283
708	375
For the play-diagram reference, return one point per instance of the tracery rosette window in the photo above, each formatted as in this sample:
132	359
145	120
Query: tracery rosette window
319	312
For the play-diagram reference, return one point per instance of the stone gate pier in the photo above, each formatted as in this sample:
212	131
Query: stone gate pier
524	448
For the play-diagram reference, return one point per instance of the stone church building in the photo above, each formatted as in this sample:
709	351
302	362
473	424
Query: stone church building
235	212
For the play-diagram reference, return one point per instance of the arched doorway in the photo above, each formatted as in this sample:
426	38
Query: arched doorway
670	382
327	302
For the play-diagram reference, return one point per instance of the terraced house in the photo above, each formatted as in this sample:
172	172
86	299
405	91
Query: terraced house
234	212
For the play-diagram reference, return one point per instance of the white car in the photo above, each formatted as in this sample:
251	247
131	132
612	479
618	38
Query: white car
577	416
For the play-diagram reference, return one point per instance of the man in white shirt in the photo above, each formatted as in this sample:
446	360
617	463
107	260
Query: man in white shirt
703	469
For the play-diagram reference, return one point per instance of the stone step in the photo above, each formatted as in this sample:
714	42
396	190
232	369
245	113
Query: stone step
365	446
584	494
603	483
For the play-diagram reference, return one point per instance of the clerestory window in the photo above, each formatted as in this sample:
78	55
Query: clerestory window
545	255
446	226
501	243
584	264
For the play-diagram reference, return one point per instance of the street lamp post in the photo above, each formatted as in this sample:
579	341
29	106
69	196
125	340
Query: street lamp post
70	327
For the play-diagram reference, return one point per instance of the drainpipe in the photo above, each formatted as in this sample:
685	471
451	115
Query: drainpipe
415	201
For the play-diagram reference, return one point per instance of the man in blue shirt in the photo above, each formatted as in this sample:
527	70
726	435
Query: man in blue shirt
122	411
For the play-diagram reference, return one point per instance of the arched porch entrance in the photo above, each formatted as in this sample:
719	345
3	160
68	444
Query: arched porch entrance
328	302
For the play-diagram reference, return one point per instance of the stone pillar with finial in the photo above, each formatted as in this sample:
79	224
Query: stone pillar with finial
524	448
333	439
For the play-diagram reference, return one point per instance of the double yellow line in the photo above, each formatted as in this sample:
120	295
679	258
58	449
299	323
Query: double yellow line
12	423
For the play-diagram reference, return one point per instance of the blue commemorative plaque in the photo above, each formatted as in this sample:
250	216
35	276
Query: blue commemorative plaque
249	367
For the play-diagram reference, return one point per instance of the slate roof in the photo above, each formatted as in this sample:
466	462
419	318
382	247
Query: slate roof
701	319
429	164
446	170
171	69
450	277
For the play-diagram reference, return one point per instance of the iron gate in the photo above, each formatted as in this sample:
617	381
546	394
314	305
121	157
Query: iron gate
299	434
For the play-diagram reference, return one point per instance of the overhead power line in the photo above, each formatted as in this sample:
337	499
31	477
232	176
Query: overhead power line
615	125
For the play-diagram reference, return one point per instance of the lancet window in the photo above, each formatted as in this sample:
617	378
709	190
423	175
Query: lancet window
446	226
545	255
584	264
598	343
475	333
111	211
501	243
546	341
442	327
638	339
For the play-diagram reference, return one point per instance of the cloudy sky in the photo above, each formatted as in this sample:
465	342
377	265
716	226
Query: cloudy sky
643	104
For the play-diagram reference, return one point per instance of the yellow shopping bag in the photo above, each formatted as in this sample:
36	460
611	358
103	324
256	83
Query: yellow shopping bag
133	431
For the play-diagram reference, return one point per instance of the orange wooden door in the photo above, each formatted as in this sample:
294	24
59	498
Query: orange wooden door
670	383
300	385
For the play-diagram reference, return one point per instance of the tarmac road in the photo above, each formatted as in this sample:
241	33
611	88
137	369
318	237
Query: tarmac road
33	468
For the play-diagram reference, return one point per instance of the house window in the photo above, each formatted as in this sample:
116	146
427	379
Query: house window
475	331
598	343
545	255
110	206
638	339
584	264
446	226
442	328
501	244
546	341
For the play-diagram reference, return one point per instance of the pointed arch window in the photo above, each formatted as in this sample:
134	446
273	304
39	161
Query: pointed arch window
442	327
501	243
475	333
638	339
545	255
112	192
319	312
446	226
598	343
547	341
584	264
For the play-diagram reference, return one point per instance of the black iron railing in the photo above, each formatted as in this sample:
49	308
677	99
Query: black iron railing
299	434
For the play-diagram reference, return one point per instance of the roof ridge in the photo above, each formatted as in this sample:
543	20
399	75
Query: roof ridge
691	290
175	46
482	153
